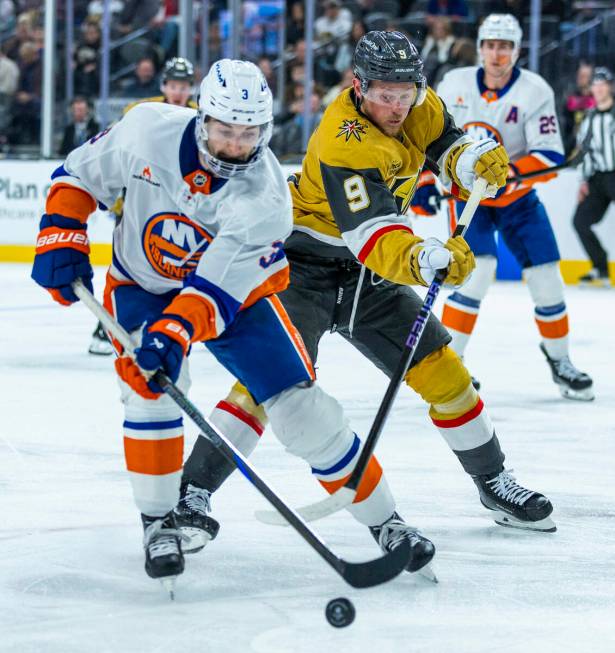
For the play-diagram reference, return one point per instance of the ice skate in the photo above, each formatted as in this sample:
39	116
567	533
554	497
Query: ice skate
100	344
573	384
595	279
393	531
196	526
163	555
515	505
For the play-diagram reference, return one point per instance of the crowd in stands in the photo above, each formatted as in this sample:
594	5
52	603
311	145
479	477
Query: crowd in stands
444	31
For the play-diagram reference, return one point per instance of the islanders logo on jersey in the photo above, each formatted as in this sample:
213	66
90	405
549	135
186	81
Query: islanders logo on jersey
350	128
478	130
174	244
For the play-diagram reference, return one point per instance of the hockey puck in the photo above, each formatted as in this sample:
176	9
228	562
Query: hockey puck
340	612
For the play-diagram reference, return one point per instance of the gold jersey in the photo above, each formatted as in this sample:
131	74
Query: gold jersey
356	183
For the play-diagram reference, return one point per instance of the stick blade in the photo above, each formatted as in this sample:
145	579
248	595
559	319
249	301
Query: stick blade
313	511
380	570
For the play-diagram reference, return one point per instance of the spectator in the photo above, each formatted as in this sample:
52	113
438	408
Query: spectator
437	46
96	8
81	128
295	24
26	118
334	91
9	76
597	190
137	14
86	61
454	9
578	102
7	16
9	79
264	63
343	57
23	33
165	25
335	23
145	83
462	53
289	139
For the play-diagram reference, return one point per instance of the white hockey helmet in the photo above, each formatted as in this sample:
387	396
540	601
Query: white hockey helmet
503	27
236	93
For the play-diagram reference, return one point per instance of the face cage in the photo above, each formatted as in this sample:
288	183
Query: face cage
227	169
421	90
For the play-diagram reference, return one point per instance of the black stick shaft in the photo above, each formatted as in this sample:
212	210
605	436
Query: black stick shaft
416	331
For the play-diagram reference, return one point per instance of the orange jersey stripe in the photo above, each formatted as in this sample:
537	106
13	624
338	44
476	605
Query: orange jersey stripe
111	283
368	484
531	163
69	201
557	329
453	318
199	311
293	333
154	457
275	283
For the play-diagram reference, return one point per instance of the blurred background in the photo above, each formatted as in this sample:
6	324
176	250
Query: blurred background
70	67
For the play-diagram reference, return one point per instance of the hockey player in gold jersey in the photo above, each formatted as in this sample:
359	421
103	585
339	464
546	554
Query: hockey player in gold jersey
353	261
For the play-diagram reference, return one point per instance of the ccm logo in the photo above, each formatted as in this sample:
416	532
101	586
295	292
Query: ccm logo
75	237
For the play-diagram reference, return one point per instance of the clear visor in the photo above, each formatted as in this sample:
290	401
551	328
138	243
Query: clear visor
229	150
237	139
406	97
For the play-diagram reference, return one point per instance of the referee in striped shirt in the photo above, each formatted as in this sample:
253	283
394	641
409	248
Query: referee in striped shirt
597	190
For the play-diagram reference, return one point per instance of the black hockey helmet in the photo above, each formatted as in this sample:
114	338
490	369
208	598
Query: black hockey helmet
388	57
178	68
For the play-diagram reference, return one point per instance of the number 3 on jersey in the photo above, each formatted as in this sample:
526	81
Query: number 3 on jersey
356	193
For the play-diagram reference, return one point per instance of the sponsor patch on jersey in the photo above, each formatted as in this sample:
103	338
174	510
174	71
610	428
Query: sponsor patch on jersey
350	128
146	175
174	244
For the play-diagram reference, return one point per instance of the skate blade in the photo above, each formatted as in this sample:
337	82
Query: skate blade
587	394
546	525
168	583
428	573
193	539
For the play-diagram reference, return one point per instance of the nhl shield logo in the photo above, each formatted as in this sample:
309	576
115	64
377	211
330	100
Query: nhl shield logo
199	179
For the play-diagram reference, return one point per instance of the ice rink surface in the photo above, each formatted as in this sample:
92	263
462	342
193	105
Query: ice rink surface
71	563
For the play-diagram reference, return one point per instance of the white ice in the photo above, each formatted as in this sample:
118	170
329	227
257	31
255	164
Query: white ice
71	563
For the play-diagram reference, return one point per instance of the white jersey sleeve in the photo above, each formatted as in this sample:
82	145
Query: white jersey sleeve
542	133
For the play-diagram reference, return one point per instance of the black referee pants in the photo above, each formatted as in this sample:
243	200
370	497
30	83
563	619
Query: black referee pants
591	211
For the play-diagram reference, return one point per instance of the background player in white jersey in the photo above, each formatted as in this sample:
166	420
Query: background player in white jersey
516	108
198	257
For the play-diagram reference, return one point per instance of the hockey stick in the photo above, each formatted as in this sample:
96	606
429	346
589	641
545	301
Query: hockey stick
356	574
343	497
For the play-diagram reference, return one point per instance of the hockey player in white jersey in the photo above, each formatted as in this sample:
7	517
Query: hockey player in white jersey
515	107
198	257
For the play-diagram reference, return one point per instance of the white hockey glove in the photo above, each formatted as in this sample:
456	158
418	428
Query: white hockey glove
484	158
431	255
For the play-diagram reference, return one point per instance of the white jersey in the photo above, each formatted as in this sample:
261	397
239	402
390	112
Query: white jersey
521	116
177	218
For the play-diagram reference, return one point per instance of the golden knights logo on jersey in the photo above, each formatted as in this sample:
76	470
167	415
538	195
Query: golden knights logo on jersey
403	190
350	128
